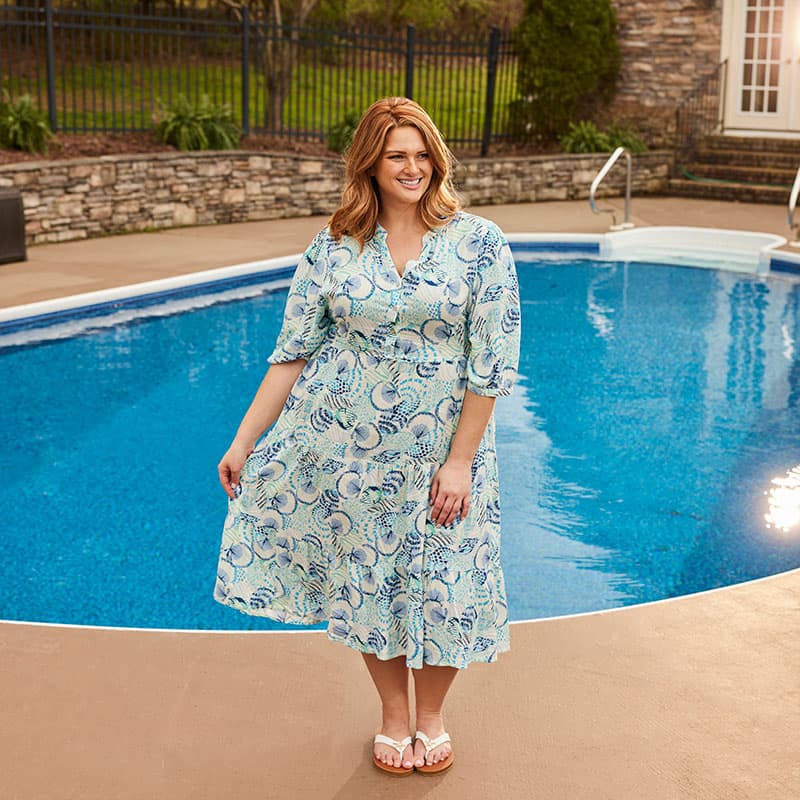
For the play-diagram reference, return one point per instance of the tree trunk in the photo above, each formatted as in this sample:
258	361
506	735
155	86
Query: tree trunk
281	53
281	57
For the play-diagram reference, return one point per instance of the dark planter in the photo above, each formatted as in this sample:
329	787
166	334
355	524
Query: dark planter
12	227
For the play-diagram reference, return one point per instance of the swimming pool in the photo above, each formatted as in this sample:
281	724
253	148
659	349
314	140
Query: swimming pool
655	407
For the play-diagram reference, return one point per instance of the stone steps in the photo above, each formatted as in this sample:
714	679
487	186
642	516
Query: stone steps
728	190
753	144
747	158
753	170
772	176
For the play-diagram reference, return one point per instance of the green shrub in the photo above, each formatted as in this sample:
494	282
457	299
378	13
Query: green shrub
586	137
22	125
341	134
568	64
623	136
201	127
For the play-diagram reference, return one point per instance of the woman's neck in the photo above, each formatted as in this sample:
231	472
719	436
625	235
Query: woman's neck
402	219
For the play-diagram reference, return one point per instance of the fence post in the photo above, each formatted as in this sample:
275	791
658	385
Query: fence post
411	35
51	65
491	81
245	71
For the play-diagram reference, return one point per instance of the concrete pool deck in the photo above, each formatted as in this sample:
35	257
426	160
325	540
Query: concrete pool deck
697	697
55	270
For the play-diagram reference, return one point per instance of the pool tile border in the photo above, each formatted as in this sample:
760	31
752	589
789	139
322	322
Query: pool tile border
275	271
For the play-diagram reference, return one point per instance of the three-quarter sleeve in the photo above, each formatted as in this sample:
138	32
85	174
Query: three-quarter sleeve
305	320
494	320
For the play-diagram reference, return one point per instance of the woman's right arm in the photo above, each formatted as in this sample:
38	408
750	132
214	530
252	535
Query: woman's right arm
264	410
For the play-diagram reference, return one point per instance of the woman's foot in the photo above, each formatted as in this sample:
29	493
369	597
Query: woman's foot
389	755
432	727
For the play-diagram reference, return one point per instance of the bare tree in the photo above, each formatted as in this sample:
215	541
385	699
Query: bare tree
276	49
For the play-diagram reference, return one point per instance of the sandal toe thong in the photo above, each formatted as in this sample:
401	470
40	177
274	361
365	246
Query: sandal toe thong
399	746
432	744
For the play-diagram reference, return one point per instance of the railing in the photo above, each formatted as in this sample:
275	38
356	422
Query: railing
701	113
97	70
606	168
792	204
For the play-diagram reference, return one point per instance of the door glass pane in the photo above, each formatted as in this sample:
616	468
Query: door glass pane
772	104
762	52
774	74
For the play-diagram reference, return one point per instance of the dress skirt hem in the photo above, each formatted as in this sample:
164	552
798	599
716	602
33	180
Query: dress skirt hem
487	656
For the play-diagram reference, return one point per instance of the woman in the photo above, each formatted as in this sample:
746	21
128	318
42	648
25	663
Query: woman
372	502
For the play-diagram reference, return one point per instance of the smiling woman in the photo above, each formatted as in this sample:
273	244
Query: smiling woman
372	503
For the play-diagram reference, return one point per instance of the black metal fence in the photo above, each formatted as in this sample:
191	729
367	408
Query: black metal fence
99	71
702	112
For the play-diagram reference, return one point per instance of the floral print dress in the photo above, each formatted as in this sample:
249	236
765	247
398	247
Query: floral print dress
332	519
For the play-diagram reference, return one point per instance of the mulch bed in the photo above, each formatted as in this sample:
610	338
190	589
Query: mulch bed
83	145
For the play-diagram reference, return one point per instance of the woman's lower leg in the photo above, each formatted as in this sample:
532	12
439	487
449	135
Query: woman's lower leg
391	680
431	685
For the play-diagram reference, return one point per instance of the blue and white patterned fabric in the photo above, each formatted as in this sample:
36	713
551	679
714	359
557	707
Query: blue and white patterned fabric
332	522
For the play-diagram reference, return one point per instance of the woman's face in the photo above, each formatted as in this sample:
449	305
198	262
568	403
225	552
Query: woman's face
404	169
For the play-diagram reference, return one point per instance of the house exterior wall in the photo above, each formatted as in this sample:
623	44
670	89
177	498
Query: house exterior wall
667	47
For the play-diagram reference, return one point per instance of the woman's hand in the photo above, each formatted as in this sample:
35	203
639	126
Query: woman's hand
450	491
230	467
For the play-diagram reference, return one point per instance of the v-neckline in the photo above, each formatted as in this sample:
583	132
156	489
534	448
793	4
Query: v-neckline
383	236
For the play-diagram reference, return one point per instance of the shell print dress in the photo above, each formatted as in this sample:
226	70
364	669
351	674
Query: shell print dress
332	523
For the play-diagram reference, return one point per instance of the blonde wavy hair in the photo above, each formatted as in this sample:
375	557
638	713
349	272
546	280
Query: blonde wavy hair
357	215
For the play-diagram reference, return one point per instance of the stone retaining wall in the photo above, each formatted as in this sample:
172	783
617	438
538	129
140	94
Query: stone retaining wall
81	198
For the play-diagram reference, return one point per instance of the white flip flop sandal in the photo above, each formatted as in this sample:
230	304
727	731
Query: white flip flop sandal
432	744
399	746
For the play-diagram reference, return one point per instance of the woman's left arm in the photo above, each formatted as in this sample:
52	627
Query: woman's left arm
451	485
493	327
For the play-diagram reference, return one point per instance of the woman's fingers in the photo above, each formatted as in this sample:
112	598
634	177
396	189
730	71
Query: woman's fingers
224	472
446	509
449	495
228	477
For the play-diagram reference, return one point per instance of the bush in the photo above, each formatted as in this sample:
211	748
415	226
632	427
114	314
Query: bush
22	125
622	136
586	137
568	64
201	127
341	134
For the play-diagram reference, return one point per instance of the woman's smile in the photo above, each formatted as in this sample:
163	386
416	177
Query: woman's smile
404	161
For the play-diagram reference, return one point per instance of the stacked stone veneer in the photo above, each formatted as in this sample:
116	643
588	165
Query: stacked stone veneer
81	198
667	47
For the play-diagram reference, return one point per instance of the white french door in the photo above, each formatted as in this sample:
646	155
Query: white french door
763	51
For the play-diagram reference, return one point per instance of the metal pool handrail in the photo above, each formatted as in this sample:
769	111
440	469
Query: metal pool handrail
596	182
792	204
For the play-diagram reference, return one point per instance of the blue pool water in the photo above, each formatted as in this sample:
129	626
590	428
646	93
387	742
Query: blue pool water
654	407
